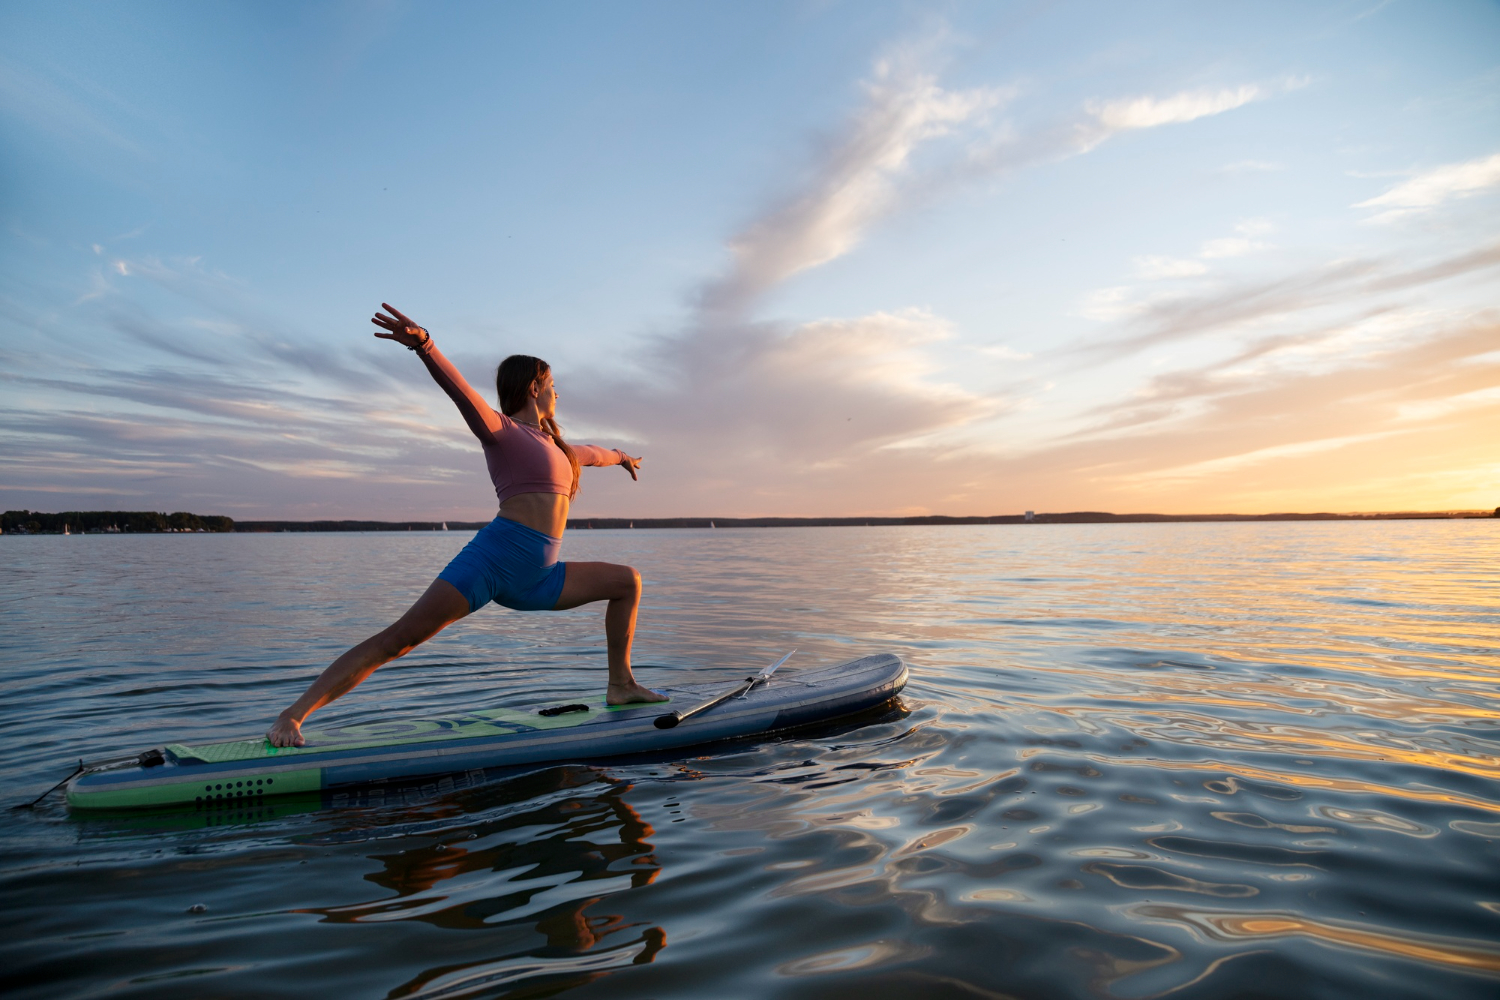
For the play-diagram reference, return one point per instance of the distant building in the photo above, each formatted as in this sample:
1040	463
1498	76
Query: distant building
1031	515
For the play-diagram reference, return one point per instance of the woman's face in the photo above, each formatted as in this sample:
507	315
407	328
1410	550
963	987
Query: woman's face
546	397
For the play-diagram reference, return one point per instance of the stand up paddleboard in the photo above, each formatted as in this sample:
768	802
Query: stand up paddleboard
250	770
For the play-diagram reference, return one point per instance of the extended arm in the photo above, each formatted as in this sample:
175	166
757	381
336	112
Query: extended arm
592	454
482	420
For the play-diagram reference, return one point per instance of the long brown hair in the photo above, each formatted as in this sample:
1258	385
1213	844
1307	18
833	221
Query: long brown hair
513	381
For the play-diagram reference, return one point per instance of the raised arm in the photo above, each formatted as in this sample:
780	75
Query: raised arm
482	420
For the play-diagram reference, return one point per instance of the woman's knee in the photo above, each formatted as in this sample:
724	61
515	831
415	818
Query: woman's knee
630	581
620	583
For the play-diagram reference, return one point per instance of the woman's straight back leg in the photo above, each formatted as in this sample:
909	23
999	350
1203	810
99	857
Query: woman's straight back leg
439	606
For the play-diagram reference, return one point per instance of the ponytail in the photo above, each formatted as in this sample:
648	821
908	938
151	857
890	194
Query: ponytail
513	382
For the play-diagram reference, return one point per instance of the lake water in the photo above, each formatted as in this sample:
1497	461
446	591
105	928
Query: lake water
1166	760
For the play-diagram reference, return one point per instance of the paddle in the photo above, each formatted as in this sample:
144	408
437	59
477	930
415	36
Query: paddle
673	718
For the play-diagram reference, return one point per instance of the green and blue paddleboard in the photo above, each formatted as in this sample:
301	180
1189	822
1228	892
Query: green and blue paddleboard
247	771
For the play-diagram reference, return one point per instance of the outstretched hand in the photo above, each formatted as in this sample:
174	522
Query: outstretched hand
400	329
630	465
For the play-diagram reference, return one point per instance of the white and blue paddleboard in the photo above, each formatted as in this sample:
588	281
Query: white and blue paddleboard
246	771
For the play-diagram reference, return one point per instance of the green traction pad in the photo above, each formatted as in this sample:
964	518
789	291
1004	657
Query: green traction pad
493	722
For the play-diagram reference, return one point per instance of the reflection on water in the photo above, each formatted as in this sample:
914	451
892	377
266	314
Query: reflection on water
538	871
1133	761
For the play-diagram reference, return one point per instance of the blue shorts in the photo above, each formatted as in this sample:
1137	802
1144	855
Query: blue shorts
510	564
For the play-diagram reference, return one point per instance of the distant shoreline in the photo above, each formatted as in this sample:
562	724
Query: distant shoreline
24	522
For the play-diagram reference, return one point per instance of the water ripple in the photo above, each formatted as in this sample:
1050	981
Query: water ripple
1134	761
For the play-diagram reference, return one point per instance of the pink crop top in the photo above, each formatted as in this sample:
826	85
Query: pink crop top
521	459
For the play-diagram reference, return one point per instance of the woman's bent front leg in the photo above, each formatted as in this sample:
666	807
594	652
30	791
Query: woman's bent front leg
440	606
587	582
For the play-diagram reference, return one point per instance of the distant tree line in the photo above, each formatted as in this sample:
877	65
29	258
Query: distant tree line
1073	517
266	526
32	522
35	522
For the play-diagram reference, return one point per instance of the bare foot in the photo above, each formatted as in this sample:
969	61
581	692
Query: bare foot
630	694
285	733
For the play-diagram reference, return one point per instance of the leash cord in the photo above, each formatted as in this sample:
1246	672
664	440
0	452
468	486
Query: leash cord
33	802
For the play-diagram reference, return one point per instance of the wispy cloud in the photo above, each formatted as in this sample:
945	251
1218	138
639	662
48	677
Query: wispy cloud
1156	268
792	404
1244	241
736	412
1253	436
1151	112
1234	463
1434	409
859	177
819	409
853	184
1152	268
1167	319
1004	352
1431	188
32	97
247	332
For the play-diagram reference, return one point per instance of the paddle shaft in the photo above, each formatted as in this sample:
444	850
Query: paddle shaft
671	719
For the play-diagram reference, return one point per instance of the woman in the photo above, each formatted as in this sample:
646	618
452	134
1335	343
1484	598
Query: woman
513	559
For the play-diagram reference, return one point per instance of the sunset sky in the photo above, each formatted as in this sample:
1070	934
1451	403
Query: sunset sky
807	258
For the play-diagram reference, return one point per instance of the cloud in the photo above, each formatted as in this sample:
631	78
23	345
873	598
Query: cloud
1235	463
1153	268
1150	112
228	408
1214	438
860	177
813	409
1167	319
1003	352
1435	409
1434	187
1390	354
853	184
1317	381
1109	304
248	332
729	400
1375	8
30	97
1157	268
1229	246
235	442
793	397
735	413
1239	245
